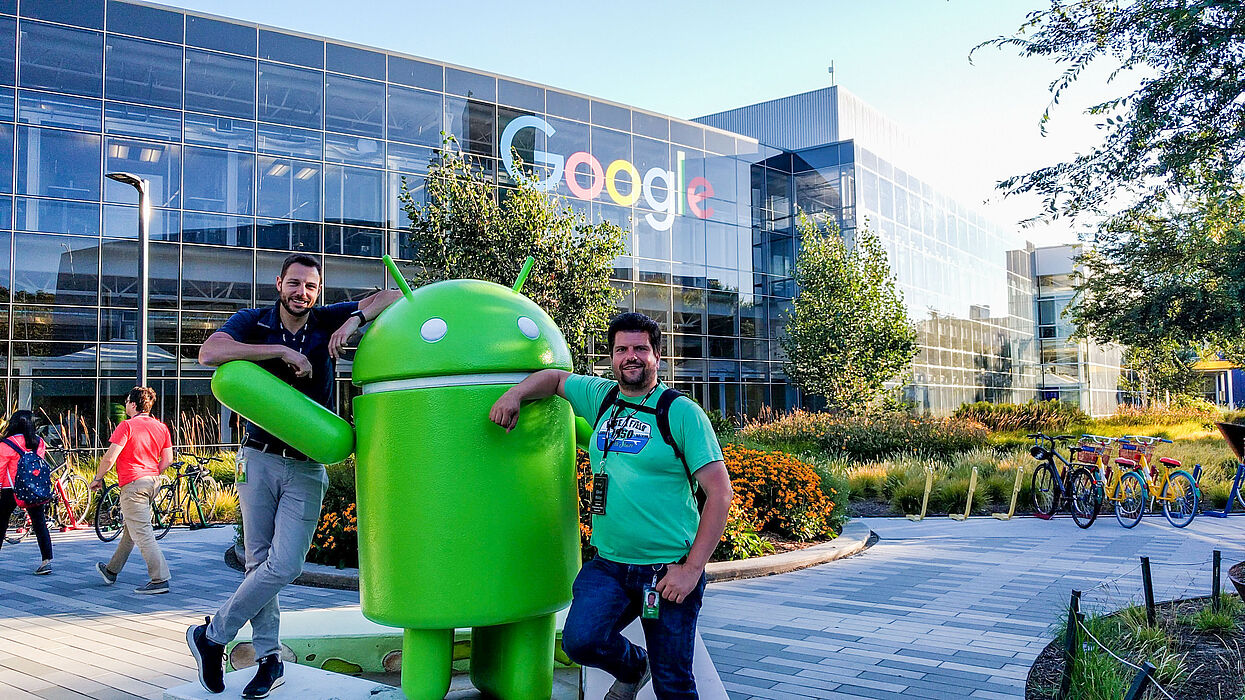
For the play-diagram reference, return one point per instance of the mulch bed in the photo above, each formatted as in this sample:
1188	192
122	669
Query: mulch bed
877	508
1216	661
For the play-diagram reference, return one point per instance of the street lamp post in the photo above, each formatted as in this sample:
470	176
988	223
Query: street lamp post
144	277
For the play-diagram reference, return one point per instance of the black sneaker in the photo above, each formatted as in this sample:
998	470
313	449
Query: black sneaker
269	675
153	588
210	657
109	577
44	569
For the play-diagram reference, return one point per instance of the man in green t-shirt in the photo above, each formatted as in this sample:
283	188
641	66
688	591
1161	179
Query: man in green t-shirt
652	543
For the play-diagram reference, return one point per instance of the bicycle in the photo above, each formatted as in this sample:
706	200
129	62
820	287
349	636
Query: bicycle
73	497
1150	484
201	491
1069	486
1095	450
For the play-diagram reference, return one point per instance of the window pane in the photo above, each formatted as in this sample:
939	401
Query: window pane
217	230
473	123
147	122
149	22
415	116
349	280
158	163
289	189
293	96
360	62
303	237
219	181
355	150
57	216
349	240
288	48
353	196
227	132
354	106
46	109
55	270
6	160
470	84
221	36
216	279
8	50
288	141
58	163
62	59
405	71
122	222
221	85
82	13
143	71
118	285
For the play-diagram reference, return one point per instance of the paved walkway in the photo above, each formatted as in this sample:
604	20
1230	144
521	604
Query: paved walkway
936	609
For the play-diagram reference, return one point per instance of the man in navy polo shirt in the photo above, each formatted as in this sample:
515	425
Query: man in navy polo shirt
279	488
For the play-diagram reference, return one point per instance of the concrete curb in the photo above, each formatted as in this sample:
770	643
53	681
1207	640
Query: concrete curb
853	539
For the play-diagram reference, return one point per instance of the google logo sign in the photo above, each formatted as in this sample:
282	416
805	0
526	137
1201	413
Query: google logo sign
664	191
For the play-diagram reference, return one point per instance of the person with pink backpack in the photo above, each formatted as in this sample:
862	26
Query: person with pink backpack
19	435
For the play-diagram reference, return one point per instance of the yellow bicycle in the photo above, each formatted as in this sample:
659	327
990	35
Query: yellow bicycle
1143	484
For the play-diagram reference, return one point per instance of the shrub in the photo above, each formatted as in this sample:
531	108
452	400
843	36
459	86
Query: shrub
336	541
862	438
1034	415
1182	409
740	540
780	493
227	507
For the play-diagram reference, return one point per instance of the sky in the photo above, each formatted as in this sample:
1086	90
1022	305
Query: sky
907	58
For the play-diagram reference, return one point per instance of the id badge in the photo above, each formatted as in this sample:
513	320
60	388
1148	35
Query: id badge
600	484
651	608
239	468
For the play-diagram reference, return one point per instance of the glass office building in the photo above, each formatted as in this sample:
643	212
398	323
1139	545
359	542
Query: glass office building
258	142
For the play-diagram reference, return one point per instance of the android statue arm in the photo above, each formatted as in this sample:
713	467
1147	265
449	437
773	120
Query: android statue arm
539	385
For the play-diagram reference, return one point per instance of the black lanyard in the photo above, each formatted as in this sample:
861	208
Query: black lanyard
619	405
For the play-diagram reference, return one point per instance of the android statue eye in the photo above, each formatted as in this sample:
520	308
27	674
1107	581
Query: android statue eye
433	330
529	328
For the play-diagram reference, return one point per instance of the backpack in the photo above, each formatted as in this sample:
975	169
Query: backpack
32	484
662	414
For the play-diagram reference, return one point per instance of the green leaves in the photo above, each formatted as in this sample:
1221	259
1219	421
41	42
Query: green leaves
847	332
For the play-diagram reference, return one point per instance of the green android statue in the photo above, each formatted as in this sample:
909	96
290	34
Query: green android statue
461	524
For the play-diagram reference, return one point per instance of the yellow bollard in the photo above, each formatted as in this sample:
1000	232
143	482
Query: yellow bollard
929	485
968	507
1020	472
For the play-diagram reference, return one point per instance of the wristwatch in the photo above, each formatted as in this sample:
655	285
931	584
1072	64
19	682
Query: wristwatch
361	315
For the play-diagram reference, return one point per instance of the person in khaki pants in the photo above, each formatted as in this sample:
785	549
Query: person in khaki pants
142	449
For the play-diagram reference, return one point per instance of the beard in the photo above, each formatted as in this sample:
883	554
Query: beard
647	374
285	304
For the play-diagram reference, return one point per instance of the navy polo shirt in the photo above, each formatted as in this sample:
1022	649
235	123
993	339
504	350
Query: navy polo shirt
263	327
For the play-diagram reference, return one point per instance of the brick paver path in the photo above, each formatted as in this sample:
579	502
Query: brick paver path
934	610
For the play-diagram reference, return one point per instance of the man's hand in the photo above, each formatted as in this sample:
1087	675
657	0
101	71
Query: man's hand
97	484
505	411
338	342
297	361
679	581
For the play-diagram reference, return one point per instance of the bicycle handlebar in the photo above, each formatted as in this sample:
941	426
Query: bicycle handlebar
1144	440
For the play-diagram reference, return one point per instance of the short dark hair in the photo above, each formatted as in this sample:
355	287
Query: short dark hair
143	398
301	259
632	321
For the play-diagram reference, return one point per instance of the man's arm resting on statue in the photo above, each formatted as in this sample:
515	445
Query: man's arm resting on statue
681	579
370	307
220	347
538	385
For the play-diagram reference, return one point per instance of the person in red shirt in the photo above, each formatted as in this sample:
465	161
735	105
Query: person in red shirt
20	431
142	449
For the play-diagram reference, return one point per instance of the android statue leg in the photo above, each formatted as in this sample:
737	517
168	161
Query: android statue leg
426	663
514	661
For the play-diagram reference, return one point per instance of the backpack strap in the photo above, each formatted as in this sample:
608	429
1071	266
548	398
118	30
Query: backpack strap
610	397
16	449
663	425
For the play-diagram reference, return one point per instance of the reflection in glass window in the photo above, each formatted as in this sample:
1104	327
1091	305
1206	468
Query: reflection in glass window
292	236
293	96
122	222
57	216
221	36
62	59
47	109
227	132
223	85
289	189
355	61
58	163
149	22
288	141
55	269
405	71
217	229
349	240
6	158
119	264
158	163
216	279
144	122
288	48
410	184
415	116
218	181
353	196
354	106
473	123
143	71
8	50
340	148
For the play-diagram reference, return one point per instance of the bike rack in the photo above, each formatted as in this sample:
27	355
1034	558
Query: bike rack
968	507
1020	472
1237	482
929	485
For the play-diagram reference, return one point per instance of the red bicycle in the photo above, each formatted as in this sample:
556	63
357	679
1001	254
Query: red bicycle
73	499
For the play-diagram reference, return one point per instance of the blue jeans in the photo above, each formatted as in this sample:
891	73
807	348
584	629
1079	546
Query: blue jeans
606	598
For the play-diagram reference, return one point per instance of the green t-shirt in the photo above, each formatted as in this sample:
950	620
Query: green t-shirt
650	512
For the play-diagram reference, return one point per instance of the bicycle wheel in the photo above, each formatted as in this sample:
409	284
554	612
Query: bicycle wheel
1045	491
77	499
1179	499
1132	500
1084	499
164	510
18	527
108	520
208	490
1240	498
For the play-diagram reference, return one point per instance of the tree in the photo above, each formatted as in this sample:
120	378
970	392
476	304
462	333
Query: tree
1168	276
468	228
1159	370
846	332
1179	130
